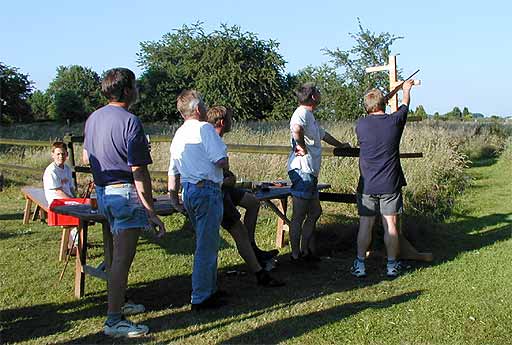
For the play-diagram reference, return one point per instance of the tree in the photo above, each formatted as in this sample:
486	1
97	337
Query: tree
68	105
420	112
466	115
15	88
76	81
228	66
40	105
455	114
370	50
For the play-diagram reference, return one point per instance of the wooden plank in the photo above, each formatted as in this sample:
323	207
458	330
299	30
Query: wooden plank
377	69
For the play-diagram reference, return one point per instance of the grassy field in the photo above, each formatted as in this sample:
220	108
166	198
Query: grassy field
463	297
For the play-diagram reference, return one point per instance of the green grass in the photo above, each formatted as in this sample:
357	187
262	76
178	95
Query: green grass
462	298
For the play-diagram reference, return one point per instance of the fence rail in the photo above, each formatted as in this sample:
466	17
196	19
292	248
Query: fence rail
238	148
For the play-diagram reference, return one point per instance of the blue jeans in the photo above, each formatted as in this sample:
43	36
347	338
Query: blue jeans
121	206
203	202
304	185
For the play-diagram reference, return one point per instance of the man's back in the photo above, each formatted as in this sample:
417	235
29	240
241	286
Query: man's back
115	141
194	150
379	159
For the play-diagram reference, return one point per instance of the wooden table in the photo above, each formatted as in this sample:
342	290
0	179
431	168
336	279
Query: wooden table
83	212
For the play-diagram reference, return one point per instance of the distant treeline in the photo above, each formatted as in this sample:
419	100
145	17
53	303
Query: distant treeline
228	66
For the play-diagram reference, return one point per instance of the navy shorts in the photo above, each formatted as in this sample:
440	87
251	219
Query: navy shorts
304	185
232	197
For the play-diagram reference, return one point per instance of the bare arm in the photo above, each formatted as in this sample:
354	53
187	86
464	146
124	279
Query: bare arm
406	99
329	139
298	136
85	157
173	187
61	195
143	185
223	163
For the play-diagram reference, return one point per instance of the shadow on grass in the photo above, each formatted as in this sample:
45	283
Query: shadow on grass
281	330
11	216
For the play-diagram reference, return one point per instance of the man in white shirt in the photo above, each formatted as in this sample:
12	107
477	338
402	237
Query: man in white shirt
303	170
198	157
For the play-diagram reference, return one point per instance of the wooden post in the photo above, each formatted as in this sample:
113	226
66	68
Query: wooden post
68	139
81	259
26	212
393	82
282	227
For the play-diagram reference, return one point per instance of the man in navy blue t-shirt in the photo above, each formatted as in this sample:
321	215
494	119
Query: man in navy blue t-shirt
117	149
381	176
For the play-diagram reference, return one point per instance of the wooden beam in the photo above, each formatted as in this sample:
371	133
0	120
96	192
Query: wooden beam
377	69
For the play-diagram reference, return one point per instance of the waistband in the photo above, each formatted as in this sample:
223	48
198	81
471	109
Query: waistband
119	185
204	183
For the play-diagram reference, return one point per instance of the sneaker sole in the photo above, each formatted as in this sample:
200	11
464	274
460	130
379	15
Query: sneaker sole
124	335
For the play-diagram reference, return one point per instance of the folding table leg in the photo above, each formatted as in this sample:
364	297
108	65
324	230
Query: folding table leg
81	260
282	227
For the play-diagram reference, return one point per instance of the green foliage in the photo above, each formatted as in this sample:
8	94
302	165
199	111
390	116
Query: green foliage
15	88
227	66
370	49
70	84
67	105
40	104
455	114
466	115
420	111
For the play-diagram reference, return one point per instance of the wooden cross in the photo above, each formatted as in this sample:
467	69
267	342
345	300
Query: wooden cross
393	82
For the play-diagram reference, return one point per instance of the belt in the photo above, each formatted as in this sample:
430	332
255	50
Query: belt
119	185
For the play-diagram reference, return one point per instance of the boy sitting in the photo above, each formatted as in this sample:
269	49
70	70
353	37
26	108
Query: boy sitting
58	184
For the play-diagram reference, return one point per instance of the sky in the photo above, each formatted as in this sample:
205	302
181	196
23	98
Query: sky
462	48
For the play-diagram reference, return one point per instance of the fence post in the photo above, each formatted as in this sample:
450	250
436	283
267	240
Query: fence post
68	139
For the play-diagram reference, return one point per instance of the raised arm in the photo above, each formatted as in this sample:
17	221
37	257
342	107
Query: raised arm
406	99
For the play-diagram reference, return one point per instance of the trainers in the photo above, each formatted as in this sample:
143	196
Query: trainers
125	328
358	269
130	308
265	279
393	269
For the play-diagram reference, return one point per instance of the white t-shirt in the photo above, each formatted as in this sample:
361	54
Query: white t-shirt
57	178
313	135
195	149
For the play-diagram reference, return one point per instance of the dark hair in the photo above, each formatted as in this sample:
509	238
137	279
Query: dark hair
115	81
59	145
306	92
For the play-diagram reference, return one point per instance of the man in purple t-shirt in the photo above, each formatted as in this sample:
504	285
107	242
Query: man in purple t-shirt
117	149
381	176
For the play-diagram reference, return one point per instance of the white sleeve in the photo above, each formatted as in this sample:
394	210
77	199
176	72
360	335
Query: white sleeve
173	165
298	118
50	179
213	144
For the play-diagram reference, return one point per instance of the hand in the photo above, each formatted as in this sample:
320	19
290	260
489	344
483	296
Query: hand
176	203
300	151
230	179
158	224
408	85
